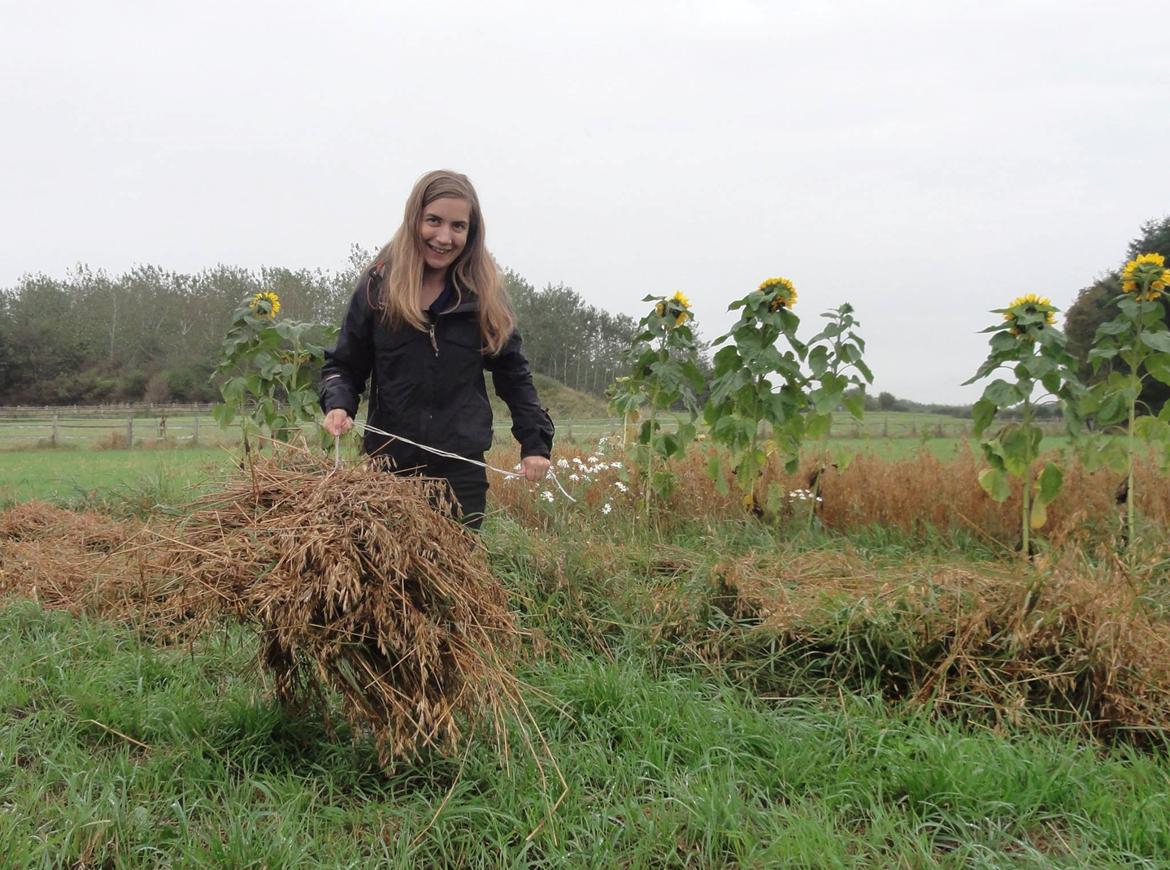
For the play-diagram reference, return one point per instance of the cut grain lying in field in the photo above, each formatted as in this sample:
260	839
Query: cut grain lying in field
359	584
84	562
1061	642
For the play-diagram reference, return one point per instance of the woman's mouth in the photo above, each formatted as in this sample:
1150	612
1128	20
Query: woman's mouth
442	252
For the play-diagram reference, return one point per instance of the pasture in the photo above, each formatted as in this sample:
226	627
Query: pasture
877	680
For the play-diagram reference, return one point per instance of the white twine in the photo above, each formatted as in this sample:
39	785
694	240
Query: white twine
435	450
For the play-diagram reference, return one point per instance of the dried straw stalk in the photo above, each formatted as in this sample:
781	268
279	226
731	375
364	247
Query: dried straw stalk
358	584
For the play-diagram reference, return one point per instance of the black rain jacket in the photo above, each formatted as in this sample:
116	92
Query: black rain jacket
429	386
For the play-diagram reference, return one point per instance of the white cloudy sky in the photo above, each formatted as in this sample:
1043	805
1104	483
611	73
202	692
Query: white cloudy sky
926	161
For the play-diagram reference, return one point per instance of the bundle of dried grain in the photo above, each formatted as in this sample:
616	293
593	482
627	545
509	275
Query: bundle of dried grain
357	583
1064	642
84	562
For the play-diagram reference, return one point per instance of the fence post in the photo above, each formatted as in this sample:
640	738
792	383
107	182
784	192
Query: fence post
195	437
130	431
53	437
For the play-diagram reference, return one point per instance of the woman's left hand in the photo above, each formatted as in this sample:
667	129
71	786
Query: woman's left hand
535	467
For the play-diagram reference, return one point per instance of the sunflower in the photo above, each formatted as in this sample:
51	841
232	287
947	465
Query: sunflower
681	319
1029	304
1145	276
266	304
783	293
681	299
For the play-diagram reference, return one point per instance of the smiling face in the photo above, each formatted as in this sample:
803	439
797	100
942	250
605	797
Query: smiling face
443	231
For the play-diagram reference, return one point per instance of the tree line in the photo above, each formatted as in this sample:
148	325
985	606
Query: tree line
155	335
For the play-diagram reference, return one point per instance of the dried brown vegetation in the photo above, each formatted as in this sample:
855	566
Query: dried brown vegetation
358	584
919	495
355	582
1065	641
85	562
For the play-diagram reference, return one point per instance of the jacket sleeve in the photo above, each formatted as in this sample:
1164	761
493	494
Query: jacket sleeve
347	366
531	424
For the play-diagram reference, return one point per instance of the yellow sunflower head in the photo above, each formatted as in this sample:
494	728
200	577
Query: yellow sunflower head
681	318
782	291
660	309
1146	277
1023	311
681	299
265	304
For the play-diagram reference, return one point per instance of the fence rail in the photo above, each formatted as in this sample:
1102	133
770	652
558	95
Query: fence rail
124	426
169	426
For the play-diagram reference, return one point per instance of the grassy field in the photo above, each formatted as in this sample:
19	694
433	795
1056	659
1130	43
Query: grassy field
693	726
121	753
91	477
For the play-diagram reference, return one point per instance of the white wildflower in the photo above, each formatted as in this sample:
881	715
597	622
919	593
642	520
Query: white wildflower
606	508
561	463
574	477
620	487
547	495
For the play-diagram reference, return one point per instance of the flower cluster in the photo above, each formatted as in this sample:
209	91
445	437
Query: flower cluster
580	475
1146	277
266	304
804	495
1029	312
782	291
677	308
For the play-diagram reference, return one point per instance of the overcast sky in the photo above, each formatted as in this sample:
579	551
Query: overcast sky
926	161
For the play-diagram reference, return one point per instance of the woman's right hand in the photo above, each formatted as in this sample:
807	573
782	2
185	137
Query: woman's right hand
337	422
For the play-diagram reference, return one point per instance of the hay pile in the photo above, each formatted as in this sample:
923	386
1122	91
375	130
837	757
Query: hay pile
1064	642
356	581
84	562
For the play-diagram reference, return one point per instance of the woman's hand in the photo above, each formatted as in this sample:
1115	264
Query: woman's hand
337	422
535	467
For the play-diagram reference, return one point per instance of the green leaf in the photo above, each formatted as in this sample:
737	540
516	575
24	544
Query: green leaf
982	412
1159	341
1113	409
1048	483
818	425
1151	428
1113	327
818	360
995	484
715	472
1003	341
1159	368
1003	393
1101	353
855	405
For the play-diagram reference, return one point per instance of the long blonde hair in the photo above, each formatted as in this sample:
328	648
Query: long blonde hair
401	263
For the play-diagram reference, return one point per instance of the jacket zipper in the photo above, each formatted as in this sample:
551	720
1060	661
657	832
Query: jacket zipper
431	332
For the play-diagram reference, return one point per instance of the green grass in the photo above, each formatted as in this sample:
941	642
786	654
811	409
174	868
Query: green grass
91	478
119	753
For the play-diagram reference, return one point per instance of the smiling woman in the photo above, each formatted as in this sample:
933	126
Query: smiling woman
427	319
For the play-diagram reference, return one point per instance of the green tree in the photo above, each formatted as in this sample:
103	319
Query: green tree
1097	304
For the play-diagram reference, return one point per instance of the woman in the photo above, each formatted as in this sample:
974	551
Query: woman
428	317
